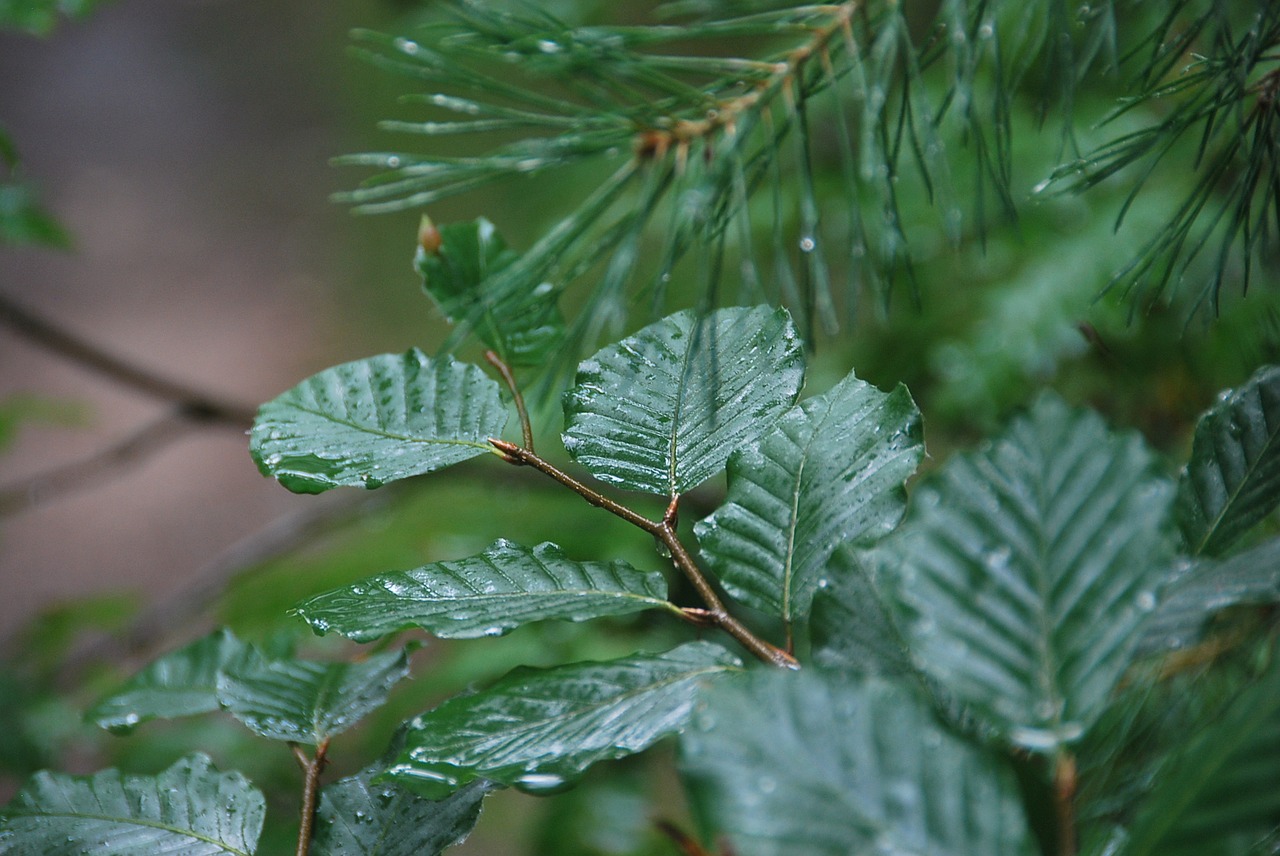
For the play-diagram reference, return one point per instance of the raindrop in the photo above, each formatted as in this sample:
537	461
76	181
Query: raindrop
807	244
540	783
407	46
998	559
1042	186
393	162
767	785
1146	601
549	47
986	31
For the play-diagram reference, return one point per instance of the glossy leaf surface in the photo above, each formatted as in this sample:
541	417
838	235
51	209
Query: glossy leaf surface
808	762
486	595
307	701
1028	566
1233	478
538	728
1207	587
183	683
831	471
189	809
374	421
522	325
1219	793
356	815
853	630
662	410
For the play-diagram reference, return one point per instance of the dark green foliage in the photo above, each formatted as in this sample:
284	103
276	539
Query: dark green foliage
1233	478
1022	595
538	728
1016	656
189	809
815	764
457	263
661	410
305	701
486	595
831	471
361	815
372	421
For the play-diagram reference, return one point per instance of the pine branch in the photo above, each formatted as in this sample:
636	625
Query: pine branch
700	145
1223	124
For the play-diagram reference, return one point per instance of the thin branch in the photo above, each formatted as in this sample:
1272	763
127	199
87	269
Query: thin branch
194	404
311	770
60	481
665	532
526	429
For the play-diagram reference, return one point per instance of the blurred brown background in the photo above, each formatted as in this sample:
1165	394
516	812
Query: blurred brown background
184	145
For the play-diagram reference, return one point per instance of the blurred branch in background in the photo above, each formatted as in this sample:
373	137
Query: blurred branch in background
191	408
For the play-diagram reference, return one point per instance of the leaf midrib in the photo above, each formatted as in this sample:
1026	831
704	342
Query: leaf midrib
381	432
592	707
1234	495
131	821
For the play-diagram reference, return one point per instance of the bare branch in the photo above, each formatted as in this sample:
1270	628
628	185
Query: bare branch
100	466
194	404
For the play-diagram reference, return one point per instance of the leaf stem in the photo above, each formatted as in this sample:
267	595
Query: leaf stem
526	429
311	769
1065	782
665	532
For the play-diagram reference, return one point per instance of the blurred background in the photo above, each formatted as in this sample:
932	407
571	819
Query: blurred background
184	146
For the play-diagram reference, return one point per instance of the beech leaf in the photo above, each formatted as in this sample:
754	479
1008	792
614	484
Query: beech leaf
1027	568
538	728
662	410
831	471
189	809
486	595
376	420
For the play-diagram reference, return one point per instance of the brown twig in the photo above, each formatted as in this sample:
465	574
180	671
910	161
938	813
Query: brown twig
665	532
526	428
687	844
194	404
1065	783
311	769
677	134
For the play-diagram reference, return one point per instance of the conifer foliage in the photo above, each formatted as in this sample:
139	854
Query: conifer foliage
1021	651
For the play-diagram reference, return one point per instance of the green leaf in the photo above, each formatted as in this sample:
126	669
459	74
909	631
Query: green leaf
486	595
1027	567
1219	793
355	815
537	728
1233	478
189	809
853	631
305	701
23	220
183	683
41	16
373	421
831	471
787	763
457	263
661	411
1208	587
